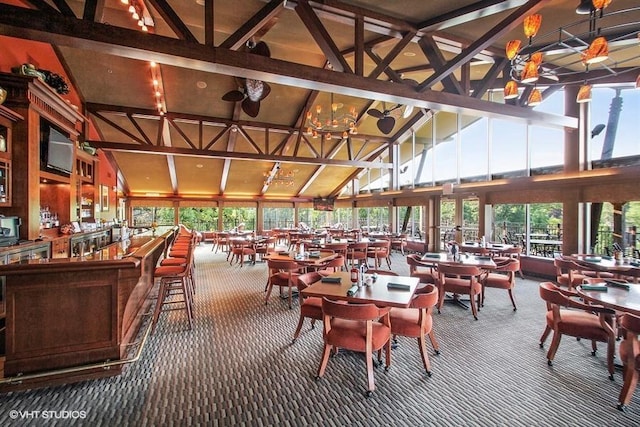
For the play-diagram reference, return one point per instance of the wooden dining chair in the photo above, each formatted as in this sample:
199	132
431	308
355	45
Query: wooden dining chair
357	327
569	316
460	279
357	253
378	251
416	322
427	273
310	307
514	252
567	273
630	356
502	277
284	274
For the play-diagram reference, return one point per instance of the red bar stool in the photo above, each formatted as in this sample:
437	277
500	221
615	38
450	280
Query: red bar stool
175	280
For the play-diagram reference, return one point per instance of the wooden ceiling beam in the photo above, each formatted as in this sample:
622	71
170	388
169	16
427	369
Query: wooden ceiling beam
467	14
173	20
322	37
42	5
481	87
93	10
64	8
209	29
502	28
438	61
253	25
179	151
30	24
393	54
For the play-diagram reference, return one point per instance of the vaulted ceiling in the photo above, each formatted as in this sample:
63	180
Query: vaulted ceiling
435	55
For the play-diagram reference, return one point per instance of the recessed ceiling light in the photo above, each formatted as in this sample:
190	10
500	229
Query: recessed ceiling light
201	84
199	165
200	2
409	54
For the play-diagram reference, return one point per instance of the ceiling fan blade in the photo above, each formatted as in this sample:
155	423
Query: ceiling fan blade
386	124
261	49
233	96
252	108
266	90
375	113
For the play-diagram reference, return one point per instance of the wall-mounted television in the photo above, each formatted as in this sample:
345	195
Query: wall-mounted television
56	150
323	203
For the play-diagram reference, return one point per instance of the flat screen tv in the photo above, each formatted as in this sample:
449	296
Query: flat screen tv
323	204
56	151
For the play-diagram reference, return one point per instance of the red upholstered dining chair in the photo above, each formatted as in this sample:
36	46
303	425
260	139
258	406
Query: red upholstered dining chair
510	253
222	242
378	251
282	273
567	273
416	322
399	242
332	266
426	273
460	279
357	327
310	307
240	249
265	246
630	355
502	277
357	253
568	316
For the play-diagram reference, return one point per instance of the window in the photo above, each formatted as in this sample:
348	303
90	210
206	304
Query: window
508	148
470	219
446	153
617	110
232	217
410	221
277	218
474	148
201	219
144	216
373	219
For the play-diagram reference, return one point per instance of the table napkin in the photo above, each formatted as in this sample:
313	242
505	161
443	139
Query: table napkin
593	258
587	287
483	257
352	291
634	264
431	255
607	257
399	286
616	284
331	279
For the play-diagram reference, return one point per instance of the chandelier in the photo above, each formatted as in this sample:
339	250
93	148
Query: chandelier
327	122
278	176
577	52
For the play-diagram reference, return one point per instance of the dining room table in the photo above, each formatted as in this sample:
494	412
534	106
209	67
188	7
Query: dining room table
607	263
620	296
381	290
484	262
306	259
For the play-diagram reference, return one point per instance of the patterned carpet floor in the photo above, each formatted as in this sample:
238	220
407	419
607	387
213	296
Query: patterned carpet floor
238	366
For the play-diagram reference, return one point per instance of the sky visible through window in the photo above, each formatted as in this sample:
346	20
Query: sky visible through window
490	146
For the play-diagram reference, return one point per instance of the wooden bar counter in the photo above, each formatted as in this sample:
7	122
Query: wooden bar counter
65	313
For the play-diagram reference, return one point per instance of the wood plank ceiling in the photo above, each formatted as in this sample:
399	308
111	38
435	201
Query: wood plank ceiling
434	56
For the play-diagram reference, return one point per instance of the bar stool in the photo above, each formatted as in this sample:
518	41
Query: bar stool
175	280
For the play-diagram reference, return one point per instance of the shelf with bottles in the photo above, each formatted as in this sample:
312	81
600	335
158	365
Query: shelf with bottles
5	182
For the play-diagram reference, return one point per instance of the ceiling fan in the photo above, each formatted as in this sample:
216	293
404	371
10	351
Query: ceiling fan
251	91
386	117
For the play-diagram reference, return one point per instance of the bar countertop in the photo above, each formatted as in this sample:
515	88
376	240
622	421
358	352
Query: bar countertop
125	254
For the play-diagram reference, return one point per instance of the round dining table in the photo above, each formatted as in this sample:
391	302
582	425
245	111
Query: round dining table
620	299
